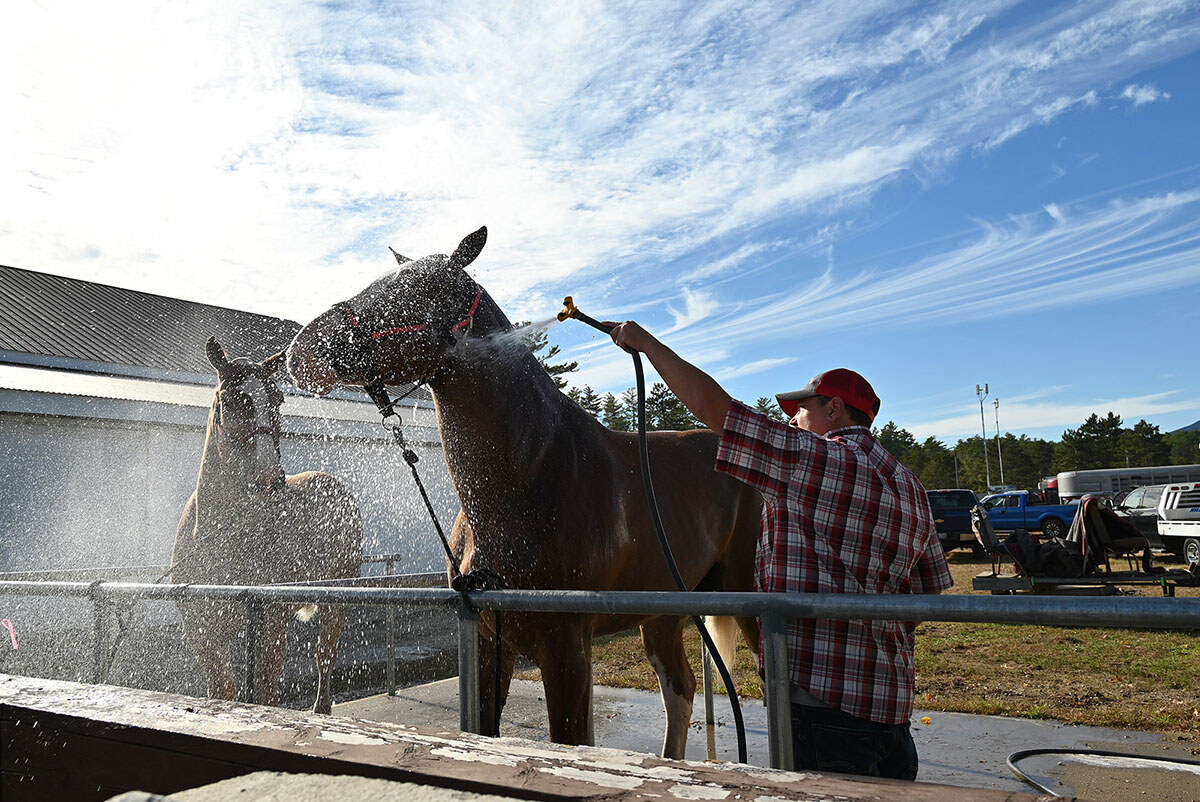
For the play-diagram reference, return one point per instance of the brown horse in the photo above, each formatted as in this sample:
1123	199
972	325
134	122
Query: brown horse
249	524
551	499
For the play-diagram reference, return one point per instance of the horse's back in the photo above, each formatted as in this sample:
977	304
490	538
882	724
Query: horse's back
324	512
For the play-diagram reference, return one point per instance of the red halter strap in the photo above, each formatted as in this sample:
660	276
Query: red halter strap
465	323
247	437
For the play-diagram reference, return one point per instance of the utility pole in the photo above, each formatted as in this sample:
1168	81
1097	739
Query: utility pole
982	392
999	455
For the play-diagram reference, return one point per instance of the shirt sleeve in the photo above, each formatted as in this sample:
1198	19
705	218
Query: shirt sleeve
761	451
931	574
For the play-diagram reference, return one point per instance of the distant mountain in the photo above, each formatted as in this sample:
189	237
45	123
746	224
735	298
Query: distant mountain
1191	427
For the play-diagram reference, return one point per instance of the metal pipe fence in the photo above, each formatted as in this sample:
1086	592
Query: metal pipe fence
775	609
103	610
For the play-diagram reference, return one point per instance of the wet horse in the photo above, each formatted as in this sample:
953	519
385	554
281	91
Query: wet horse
551	499
249	524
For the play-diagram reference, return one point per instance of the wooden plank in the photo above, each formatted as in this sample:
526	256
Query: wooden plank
68	740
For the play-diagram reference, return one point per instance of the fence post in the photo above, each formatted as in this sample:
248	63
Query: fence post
100	610
777	691
468	668
254	616
389	566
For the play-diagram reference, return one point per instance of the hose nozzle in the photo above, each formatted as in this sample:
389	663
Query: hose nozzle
571	310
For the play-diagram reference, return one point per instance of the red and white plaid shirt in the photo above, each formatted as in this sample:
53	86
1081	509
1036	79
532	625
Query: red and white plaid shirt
841	515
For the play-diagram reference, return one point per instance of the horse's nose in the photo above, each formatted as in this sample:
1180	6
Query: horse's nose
310	373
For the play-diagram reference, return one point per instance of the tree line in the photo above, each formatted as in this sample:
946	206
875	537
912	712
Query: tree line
1098	442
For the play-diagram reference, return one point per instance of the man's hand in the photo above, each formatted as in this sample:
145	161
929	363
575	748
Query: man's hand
630	336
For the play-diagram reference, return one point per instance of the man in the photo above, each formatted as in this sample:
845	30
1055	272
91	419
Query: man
840	515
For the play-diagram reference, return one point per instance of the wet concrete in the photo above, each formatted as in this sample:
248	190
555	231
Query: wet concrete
954	748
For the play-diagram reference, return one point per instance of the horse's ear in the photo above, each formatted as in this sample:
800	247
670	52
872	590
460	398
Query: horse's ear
216	354
399	259
274	362
469	248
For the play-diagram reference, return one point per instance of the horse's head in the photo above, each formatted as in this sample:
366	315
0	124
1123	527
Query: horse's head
400	329
246	417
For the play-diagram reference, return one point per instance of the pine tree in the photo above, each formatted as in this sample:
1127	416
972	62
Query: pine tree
590	401
897	441
770	408
538	339
1144	445
1095	444
666	412
615	416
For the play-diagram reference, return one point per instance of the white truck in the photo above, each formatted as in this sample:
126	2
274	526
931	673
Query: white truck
1179	520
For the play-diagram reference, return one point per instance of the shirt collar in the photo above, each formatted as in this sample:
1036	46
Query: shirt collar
853	430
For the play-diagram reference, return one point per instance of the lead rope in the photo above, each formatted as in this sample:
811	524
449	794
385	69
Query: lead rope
476	579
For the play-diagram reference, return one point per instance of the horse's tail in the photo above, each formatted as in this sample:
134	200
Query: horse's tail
723	630
306	612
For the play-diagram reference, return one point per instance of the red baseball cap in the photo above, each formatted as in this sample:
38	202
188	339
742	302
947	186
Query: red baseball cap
853	389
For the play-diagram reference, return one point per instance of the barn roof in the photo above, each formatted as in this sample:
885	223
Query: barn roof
57	321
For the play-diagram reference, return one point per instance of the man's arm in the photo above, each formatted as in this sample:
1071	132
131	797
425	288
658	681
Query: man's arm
699	392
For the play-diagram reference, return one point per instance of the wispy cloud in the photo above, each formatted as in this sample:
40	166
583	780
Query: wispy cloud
1023	416
757	366
1141	94
1122	248
1083	254
262	155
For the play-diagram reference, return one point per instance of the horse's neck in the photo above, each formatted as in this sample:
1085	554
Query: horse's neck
219	487
497	408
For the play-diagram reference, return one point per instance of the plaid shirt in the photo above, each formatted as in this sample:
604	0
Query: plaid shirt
840	515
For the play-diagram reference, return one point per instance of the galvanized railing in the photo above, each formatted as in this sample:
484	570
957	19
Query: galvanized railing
773	609
101	614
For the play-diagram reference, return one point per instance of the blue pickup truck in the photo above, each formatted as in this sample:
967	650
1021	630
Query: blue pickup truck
1019	510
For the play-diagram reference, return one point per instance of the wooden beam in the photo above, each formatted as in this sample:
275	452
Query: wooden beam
64	740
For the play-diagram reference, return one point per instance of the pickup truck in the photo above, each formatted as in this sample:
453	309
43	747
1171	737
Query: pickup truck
952	515
1017	510
1179	520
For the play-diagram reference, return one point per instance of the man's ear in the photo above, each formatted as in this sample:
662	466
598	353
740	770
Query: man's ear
835	408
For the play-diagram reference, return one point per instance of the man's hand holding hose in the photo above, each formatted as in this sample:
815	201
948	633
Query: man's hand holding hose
699	392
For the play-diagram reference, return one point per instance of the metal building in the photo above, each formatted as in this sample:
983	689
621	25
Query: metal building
104	399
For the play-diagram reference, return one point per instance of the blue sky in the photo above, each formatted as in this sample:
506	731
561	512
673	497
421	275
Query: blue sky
934	194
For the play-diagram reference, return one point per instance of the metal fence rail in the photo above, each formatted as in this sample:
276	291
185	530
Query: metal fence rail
775	609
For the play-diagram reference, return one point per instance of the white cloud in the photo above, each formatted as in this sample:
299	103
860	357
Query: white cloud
1123	248
1054	211
697	306
264	156
1023	417
1141	94
756	366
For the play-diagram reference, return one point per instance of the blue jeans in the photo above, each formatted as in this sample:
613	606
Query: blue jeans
828	739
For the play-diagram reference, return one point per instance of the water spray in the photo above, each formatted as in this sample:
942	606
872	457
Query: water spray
570	310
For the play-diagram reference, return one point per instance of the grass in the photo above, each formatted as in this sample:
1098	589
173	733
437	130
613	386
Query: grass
1124	678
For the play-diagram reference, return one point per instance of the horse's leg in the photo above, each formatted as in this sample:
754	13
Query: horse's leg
663	639
329	630
271	651
208	632
565	658
489	712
